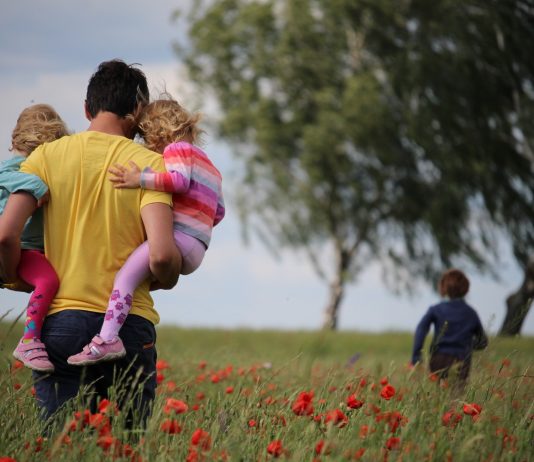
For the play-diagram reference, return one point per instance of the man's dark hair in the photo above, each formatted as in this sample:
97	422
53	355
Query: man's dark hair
116	87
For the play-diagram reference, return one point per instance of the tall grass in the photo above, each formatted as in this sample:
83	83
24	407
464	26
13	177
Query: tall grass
239	387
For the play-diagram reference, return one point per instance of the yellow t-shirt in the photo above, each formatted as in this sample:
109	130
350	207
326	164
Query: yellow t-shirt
90	228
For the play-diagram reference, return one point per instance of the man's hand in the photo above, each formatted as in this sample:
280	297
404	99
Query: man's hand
18	286
44	199
156	285
19	208
125	178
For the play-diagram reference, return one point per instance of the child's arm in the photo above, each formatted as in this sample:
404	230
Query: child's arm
420	334
480	339
15	181
178	162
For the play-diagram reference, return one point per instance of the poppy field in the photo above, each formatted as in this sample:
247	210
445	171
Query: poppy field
300	396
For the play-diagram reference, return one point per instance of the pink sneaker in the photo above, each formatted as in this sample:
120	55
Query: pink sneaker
98	350
33	355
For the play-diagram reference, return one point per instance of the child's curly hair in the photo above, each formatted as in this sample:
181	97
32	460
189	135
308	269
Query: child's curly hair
453	284
36	125
165	121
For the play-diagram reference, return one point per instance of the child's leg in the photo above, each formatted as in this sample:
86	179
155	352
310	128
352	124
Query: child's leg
36	270
107	345
191	249
135	270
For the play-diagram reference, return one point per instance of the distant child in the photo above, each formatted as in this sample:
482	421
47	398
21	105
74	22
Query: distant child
457	328
198	206
36	125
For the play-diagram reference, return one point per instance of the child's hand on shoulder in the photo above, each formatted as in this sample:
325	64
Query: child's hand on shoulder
125	177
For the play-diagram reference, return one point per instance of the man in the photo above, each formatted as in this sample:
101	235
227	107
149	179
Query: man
90	230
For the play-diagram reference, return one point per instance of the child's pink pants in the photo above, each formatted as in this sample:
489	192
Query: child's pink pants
34	269
136	270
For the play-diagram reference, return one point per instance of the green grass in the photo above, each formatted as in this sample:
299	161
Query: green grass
267	370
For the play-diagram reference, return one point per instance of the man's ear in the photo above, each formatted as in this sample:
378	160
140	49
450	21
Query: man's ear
87	114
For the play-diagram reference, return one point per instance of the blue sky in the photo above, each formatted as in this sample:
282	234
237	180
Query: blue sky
48	50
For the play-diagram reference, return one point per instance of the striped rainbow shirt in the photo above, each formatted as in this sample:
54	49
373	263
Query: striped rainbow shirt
196	184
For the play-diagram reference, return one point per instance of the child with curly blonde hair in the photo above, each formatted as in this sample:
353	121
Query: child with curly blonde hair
37	124
198	206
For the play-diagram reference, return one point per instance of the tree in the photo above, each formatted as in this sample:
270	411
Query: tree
382	131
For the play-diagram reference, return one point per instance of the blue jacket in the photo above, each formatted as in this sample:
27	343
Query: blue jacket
457	330
11	181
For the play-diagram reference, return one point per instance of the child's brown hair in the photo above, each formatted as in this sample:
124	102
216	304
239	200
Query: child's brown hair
453	284
36	125
165	121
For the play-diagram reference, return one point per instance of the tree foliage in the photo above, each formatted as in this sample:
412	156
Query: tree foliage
393	131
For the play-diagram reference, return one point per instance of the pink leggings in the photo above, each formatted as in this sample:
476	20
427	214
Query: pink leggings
136	270
34	269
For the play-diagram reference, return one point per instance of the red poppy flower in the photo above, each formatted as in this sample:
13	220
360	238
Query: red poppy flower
508	440
251	423
16	365
392	443
384	381
336	417
101	423
303	404
359	454
393	419
159	377
171	386
451	418
161	365
387	392
192	456
229	390
176	405
319	447
364	431
106	406
7	459
275	448
105	442
38	445
472	409
65	439
201	438
353	402
170	426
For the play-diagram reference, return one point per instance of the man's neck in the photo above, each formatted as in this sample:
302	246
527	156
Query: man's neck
112	124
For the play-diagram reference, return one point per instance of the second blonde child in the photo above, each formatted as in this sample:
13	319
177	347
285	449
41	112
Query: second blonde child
198	206
35	125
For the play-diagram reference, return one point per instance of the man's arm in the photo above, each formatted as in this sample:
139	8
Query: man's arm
19	208
165	259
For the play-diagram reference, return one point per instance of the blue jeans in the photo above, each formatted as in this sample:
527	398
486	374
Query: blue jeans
66	333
